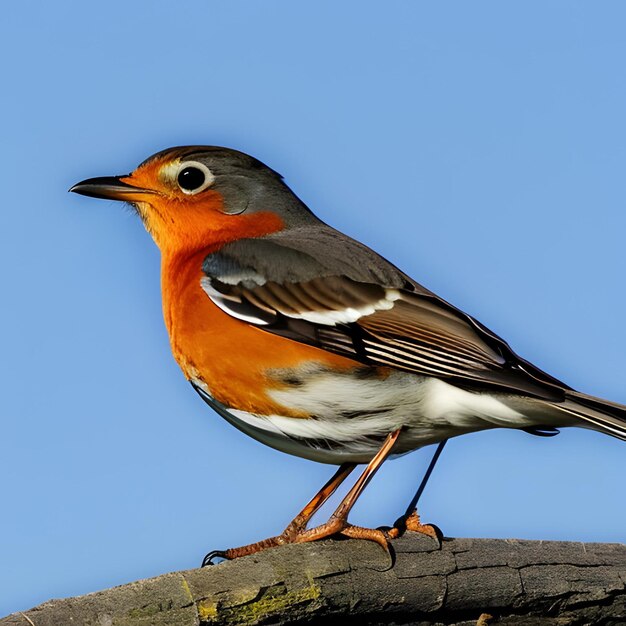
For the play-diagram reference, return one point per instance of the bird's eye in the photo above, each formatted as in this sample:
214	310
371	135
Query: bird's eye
194	177
191	178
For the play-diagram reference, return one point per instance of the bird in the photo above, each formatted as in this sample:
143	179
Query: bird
310	342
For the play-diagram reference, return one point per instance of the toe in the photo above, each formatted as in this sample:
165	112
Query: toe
371	534
214	554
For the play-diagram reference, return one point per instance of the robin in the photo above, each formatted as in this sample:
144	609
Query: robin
315	345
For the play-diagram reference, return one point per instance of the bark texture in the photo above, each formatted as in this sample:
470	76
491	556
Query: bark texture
466	581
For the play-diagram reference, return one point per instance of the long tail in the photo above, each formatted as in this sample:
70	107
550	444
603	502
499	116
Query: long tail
607	417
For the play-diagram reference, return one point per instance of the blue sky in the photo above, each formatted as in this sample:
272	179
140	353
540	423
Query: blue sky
479	146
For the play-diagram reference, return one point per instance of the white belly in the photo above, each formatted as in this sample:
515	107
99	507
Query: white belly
352	414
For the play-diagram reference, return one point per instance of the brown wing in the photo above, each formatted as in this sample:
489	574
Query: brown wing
388	326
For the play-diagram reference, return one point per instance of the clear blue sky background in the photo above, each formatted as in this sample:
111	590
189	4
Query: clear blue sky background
480	146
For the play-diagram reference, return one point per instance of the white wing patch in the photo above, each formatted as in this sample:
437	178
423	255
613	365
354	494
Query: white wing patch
233	305
349	314
255	312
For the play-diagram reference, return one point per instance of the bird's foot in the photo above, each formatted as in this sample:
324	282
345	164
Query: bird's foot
296	527
340	526
251	548
209	559
296	533
413	523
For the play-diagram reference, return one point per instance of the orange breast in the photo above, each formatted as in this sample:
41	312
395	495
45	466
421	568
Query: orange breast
232	357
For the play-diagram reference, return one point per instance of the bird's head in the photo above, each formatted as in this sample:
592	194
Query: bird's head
200	197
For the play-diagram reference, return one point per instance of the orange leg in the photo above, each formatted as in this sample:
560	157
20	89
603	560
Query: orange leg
295	527
338	521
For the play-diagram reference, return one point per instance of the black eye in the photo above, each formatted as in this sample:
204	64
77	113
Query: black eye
191	178
194	177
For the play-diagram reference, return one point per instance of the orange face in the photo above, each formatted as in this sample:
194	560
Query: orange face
193	201
192	219
179	205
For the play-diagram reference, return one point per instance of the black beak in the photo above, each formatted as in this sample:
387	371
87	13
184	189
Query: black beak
110	188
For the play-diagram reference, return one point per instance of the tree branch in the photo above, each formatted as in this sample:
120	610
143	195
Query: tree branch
466	581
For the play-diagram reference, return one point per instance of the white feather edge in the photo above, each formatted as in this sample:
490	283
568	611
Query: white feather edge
326	318
220	300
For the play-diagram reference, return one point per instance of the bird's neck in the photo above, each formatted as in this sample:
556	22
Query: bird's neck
190	232
180	272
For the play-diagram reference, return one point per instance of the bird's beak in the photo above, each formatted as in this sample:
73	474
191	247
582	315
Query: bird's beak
111	188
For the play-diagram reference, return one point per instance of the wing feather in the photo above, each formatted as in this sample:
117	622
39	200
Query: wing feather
389	321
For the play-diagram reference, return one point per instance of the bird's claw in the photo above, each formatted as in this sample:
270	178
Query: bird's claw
214	554
413	523
297	533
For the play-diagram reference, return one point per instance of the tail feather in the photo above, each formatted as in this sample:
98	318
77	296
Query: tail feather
607	417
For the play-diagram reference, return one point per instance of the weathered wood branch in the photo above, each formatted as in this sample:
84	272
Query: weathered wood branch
356	582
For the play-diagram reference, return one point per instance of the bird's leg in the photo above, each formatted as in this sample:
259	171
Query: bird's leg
296	526
296	531
338	521
411	519
299	522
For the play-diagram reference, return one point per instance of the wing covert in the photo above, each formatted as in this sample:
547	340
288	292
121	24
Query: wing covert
372	313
